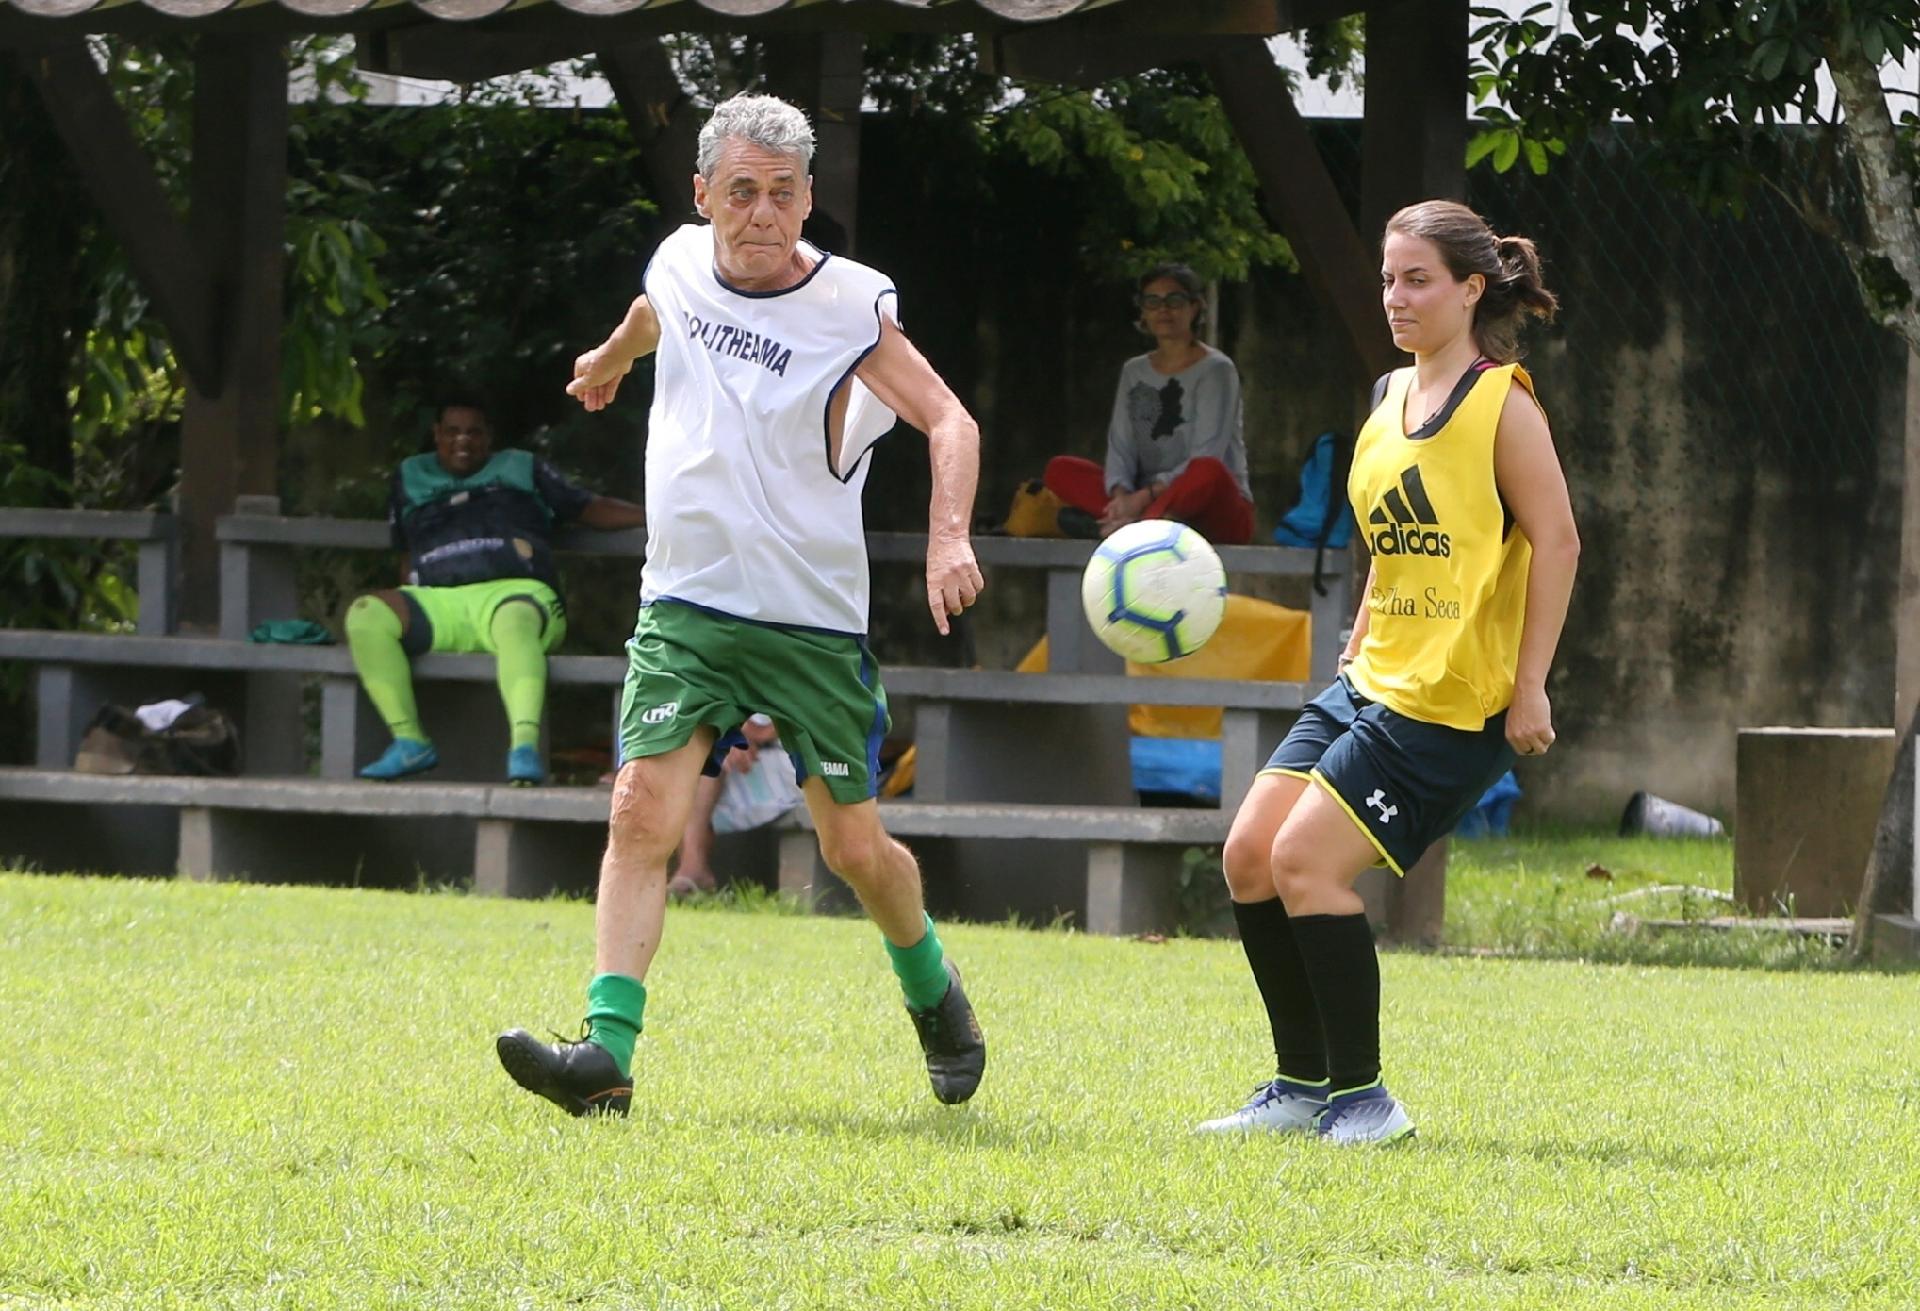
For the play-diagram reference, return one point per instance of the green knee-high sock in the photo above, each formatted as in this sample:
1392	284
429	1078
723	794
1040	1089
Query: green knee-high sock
922	969
373	634
521	667
616	1004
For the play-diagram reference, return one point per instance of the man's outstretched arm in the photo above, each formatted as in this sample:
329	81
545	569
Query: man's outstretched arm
597	374
610	514
906	384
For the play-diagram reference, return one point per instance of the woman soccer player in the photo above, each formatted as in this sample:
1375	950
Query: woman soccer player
1457	488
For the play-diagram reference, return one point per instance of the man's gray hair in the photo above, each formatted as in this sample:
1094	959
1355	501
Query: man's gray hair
767	121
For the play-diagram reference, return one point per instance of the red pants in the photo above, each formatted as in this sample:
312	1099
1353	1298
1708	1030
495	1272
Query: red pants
1204	497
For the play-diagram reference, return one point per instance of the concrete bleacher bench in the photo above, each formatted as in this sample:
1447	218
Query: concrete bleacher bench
258	684
525	842
262	685
1021	778
989	745
982	735
258	557
153	532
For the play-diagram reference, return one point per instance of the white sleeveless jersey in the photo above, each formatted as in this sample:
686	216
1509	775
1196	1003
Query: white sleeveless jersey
746	513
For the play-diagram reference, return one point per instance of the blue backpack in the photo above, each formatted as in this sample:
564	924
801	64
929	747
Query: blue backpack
1321	519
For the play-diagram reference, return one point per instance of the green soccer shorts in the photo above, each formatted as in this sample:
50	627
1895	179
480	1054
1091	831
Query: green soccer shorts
461	617
688	666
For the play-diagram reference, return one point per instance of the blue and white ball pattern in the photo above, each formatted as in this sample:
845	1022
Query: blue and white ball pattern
1154	591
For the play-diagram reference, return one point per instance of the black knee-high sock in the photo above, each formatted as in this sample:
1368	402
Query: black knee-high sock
1338	953
1299	1050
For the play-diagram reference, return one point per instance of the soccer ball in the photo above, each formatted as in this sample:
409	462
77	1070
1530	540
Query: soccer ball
1154	591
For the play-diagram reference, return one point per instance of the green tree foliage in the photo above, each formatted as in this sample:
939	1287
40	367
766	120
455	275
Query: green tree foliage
1150	159
1336	50
333	292
1159	172
509	237
42	208
422	245
1715	84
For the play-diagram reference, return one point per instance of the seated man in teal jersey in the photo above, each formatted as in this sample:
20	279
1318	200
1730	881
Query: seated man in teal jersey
475	530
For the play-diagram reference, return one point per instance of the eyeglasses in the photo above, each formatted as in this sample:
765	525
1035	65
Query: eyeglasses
1173	300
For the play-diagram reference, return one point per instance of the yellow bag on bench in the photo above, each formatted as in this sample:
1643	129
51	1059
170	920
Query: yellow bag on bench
1256	640
1035	512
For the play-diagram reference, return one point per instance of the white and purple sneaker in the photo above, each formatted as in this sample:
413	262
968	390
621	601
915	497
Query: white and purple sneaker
1282	1106
1364	1115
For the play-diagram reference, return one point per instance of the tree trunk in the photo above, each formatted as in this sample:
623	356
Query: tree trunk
1892	248
43	217
1888	886
1893	228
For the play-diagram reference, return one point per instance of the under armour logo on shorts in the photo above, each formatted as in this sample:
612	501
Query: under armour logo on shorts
1379	802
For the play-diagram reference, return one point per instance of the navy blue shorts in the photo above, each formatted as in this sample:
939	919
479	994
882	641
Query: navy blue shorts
1405	782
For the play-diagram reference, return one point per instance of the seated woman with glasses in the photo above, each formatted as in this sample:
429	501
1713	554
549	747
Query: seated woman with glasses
1174	449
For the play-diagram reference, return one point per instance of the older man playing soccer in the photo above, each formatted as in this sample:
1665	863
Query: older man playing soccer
780	365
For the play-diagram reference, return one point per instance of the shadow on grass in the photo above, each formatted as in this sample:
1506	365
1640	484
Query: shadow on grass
1712	949
1558	1151
950	1126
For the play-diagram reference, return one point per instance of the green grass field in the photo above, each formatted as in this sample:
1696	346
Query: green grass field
281	1097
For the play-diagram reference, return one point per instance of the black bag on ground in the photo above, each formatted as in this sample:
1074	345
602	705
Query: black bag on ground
202	741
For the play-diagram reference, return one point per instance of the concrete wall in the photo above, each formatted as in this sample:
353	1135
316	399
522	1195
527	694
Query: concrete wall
1730	423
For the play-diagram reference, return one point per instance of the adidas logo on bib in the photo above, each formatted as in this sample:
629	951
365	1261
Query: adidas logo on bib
1408	525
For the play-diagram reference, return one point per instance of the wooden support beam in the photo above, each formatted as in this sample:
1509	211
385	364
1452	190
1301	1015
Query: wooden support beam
122	182
1413	143
664	121
836	123
825	75
230	433
1300	198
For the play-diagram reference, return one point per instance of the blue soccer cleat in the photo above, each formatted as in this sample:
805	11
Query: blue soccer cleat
524	769
1365	1115
403	756
1282	1106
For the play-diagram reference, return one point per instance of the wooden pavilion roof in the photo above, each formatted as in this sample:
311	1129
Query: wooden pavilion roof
295	16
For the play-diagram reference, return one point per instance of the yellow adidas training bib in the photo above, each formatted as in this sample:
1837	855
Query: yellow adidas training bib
1450	568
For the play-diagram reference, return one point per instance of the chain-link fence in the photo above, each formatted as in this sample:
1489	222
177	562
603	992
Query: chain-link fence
1779	355
1758	313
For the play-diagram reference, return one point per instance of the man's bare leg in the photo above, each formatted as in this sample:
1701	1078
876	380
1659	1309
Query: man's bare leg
886	878
881	872
694	871
651	799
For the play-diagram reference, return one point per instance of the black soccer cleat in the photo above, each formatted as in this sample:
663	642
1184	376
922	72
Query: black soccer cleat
951	1038
579	1077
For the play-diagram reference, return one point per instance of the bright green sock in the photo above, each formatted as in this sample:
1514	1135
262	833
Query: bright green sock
521	667
615	1004
922	969
373	634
